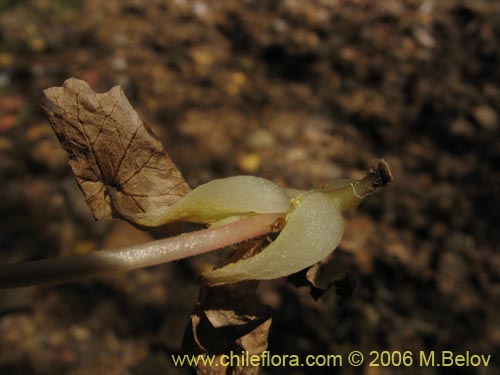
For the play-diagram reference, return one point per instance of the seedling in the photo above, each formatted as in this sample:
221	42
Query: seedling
107	142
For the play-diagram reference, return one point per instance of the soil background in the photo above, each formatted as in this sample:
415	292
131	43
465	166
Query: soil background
301	93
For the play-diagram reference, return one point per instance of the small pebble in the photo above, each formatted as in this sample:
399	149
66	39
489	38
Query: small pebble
249	163
259	139
486	116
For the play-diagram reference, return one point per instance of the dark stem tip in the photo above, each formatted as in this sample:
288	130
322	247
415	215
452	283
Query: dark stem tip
381	172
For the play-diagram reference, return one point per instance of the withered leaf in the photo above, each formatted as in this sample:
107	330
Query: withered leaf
323	276
229	318
119	164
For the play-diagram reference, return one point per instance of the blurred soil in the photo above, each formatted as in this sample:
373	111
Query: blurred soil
299	92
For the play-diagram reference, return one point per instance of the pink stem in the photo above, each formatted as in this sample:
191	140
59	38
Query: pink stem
133	257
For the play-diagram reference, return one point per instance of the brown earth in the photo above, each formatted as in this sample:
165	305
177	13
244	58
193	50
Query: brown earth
297	92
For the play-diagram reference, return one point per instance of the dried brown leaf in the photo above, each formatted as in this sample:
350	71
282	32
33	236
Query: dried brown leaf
323	274
329	274
229	318
118	162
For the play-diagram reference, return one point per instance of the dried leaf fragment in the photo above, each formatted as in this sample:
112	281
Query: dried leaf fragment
327	274
119	164
229	318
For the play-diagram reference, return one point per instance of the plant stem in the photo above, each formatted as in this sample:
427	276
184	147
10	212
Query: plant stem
100	263
350	193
